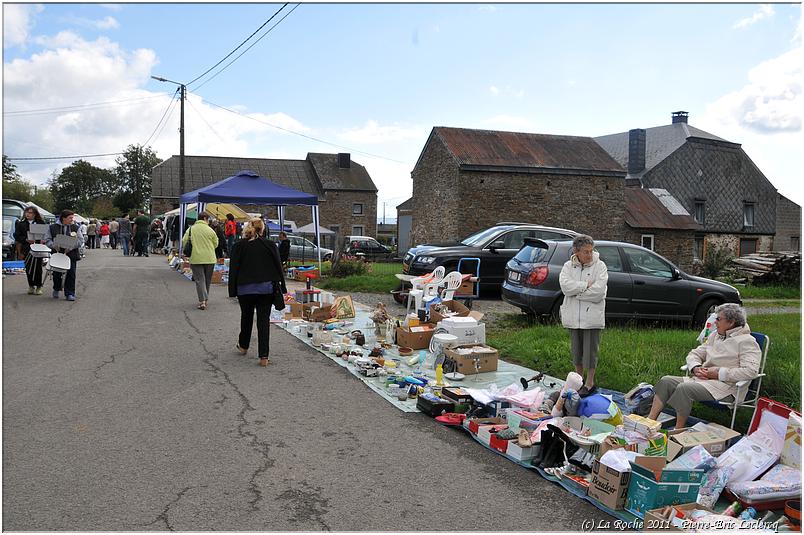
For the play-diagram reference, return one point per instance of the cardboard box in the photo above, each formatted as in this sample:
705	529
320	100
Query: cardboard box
474	424
217	277
301	310
654	521
499	444
466	288
609	486
301	275
416	337
714	440
652	486
484	432
466	363
320	314
457	307
519	453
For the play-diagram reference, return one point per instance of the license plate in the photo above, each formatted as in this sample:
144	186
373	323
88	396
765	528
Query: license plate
514	276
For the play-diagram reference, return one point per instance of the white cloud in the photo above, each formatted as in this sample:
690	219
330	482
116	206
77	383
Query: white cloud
106	23
487	8
764	11
765	116
507	91
112	7
18	19
508	122
373	133
494	90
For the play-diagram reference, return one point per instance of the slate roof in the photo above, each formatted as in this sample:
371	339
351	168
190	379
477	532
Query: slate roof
407	205
656	209
525	152
314	175
333	177
661	142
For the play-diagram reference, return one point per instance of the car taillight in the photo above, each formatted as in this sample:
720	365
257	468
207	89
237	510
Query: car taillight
537	276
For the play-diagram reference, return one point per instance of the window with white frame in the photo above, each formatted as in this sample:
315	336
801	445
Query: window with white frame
748	214
357	208
647	241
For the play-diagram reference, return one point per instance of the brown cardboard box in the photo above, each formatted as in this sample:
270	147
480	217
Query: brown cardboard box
301	310
217	277
466	288
654	521
301	275
457	307
416	337
713	441
609	486
466	363
320	314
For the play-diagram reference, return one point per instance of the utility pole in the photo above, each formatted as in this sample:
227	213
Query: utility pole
183	96
383	213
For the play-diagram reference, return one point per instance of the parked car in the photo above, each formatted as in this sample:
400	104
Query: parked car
9	224
367	247
494	246
642	284
303	249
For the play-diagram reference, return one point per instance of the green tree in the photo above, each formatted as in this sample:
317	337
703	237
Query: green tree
16	187
103	208
10	170
134	176
78	185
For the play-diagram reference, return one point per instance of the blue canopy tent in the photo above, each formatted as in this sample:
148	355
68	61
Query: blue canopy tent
247	187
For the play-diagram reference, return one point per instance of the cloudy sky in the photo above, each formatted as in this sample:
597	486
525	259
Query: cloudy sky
374	79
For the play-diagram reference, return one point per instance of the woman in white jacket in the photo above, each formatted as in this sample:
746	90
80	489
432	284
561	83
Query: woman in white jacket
584	280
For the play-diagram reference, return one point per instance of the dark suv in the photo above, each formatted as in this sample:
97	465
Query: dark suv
494	246
642	284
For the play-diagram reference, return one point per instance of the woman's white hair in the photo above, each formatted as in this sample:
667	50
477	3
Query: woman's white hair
732	312
582	241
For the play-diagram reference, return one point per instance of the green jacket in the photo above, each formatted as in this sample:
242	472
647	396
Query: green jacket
204	243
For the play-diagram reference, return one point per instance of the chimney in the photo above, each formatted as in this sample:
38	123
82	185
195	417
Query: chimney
680	117
636	151
344	160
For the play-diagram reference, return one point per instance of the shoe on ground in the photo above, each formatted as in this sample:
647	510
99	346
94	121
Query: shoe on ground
587	391
31	290
38	291
241	350
56	294
265	361
70	297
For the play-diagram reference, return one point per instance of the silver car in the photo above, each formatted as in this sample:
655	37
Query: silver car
303	249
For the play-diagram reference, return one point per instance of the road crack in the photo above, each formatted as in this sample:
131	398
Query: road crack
113	356
307	504
163	516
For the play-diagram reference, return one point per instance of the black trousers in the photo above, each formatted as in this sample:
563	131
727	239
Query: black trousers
33	270
263	305
68	278
91	241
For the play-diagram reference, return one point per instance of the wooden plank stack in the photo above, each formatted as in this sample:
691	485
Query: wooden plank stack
769	268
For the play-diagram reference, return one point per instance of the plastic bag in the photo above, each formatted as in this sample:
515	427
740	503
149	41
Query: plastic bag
712	485
618	459
695	459
709	326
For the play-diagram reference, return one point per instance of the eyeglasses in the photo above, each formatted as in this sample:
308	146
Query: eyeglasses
718	318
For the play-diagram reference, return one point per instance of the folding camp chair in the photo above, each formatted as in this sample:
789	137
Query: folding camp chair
750	387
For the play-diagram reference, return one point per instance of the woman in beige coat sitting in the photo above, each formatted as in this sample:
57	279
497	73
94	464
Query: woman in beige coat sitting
729	355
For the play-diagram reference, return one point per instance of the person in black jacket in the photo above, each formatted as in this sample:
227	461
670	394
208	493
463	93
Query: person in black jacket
33	265
284	248
255	274
66	226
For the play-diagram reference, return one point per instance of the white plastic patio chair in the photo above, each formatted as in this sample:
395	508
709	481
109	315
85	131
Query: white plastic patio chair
451	283
416	295
750	387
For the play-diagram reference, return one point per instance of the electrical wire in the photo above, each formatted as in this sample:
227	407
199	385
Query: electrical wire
249	48
236	48
164	124
303	135
65	157
170	104
205	121
78	107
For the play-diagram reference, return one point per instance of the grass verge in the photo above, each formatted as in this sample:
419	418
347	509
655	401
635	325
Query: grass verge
630	354
769	292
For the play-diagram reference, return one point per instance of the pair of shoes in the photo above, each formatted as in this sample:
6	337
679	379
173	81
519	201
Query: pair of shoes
31	290
241	350
70	297
38	291
507	434
587	391
56	294
202	306
265	361
523	440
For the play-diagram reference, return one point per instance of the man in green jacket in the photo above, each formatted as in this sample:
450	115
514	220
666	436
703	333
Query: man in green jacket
202	258
141	227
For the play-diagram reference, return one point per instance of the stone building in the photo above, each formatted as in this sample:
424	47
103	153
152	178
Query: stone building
466	180
788	225
404	225
713	179
346	194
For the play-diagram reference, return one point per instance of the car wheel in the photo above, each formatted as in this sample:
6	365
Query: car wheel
702	312
327	258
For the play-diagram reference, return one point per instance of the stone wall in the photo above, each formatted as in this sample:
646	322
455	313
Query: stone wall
162	205
675	245
436	212
788	225
732	242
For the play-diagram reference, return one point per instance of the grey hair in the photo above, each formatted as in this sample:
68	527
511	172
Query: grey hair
732	312
582	241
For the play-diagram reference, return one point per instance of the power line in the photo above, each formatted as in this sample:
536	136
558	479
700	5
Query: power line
170	104
78	107
237	47
205	121
82	156
164	124
250	46
304	135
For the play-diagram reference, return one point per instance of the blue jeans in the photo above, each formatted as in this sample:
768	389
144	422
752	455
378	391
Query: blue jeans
124	243
230	241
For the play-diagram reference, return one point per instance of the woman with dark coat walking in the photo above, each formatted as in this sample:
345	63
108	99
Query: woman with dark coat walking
33	265
255	274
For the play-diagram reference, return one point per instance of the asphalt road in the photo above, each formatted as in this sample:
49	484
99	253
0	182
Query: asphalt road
130	410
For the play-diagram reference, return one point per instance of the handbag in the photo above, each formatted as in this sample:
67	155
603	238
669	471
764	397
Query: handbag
279	297
188	247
